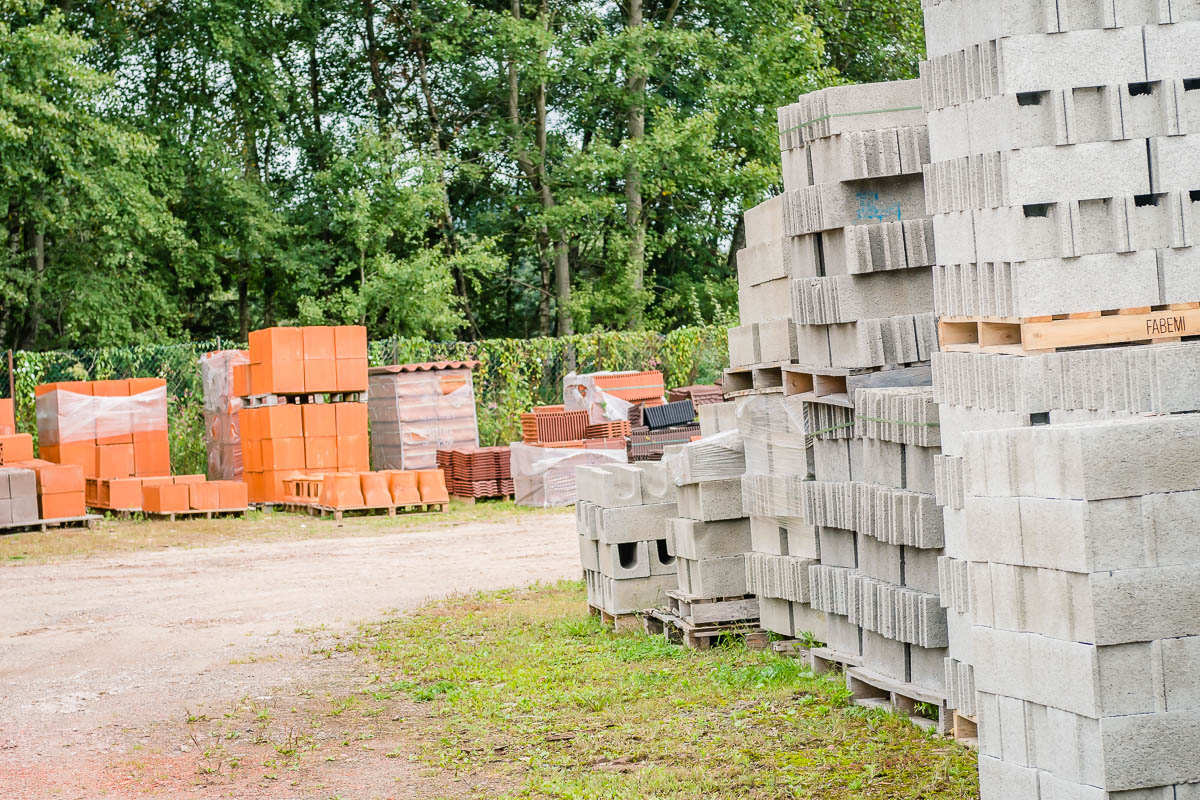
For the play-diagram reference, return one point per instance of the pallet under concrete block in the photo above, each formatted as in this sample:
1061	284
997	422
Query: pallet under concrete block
705	610
875	690
658	622
618	622
86	521
966	730
825	659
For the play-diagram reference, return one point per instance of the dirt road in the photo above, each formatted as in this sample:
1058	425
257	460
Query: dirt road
102	660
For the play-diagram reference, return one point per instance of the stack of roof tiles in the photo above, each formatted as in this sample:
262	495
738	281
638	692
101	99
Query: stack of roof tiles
699	394
420	409
477	472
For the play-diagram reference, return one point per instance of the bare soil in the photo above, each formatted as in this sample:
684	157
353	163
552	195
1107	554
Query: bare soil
214	671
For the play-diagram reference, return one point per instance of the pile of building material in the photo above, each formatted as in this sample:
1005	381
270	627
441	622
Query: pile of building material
222	435
304	407
623	544
476	473
709	537
418	409
110	429
1061	183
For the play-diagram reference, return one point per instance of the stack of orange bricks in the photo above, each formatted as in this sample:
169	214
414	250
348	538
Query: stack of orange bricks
110	429
292	370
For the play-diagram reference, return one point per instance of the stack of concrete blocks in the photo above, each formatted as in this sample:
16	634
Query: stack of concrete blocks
619	517
784	544
18	496
1084	606
710	534
881	537
1062	181
855	241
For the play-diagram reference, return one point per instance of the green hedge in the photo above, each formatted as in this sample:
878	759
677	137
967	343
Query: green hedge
513	376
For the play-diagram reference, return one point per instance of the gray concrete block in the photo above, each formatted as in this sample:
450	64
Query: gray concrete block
764	222
834	110
883	462
808	622
837	459
1147	750
841	635
589	554
848	298
626	560
775	615
905	339
881	561
636	594
837	205
714	577
926	668
633	523
765	302
662	557
777	341
784	536
921	569
717	418
712	500
697	540
839	547
885	656
744	346
710	458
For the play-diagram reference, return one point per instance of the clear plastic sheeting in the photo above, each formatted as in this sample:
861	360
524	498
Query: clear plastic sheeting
414	414
544	477
773	495
774	418
712	458
222	434
64	416
580	393
765	457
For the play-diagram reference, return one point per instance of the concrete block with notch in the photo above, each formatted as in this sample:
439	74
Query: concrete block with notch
662	557
633	523
589	554
905	339
839	110
636	594
625	560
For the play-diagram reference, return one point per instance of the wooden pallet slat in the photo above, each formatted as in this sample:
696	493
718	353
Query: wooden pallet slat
1035	335
89	521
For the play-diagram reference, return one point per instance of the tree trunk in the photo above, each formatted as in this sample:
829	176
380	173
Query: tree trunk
378	90
435	143
35	246
737	243
635	85
243	289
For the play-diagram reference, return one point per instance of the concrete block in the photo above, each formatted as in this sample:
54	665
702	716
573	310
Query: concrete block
662	557
837	205
633	523
848	298
809	622
775	615
714	577
883	462
717	418
765	302
926	668
881	561
837	459
838	547
777	341
744	349
589	554
1148	750
835	110
626	560
711	501
784	536
697	540
784	577
885	656
921	569
637	594
764	223
711	458
905	339
842	636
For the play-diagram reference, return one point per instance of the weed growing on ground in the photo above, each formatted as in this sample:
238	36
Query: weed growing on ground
525	683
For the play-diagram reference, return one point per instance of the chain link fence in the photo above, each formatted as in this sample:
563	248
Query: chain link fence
513	375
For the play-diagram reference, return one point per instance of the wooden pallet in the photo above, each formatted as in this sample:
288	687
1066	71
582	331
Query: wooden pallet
620	623
965	730
873	690
704	611
836	386
739	381
194	512
1034	335
318	510
792	648
89	521
824	659
701	637
470	500
302	398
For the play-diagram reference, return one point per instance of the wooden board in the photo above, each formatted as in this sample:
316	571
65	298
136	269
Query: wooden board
703	611
86	521
318	510
872	687
1034	335
836	386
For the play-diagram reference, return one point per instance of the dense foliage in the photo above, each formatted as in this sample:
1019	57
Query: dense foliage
439	168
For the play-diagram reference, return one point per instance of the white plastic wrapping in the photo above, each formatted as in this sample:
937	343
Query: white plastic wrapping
544	477
64	416
222	432
580	393
711	458
414	414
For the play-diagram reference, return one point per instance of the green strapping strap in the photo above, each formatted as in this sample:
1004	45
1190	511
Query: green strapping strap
876	419
902	422
850	114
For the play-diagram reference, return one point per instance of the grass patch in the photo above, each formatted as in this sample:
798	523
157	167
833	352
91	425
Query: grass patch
118	536
524	683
